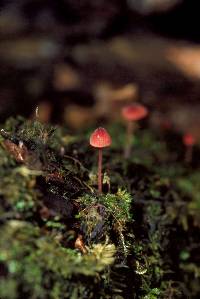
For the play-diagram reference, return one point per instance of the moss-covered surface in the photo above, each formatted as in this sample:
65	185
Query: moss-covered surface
60	239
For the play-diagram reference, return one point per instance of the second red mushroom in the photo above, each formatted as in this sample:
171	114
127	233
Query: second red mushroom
131	114
189	141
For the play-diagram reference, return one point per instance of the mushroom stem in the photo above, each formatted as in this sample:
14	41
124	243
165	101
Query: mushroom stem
129	133
100	170
188	153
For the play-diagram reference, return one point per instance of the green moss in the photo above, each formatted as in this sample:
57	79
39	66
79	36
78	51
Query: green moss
21	241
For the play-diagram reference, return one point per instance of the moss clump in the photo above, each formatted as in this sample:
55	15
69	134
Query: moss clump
45	262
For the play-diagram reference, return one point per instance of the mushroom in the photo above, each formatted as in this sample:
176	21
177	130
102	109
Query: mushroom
100	139
131	114
188	140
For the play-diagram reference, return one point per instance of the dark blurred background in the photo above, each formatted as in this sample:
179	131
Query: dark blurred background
77	60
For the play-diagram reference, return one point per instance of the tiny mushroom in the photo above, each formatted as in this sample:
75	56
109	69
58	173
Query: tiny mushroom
131	114
100	139
189	141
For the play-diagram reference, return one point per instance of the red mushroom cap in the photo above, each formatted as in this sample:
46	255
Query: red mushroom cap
134	112
100	138
189	140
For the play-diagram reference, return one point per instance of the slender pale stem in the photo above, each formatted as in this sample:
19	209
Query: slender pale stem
188	154
129	136
100	170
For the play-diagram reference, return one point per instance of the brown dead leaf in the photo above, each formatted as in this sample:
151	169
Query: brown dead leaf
127	92
65	77
186	58
77	116
19	152
79	244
